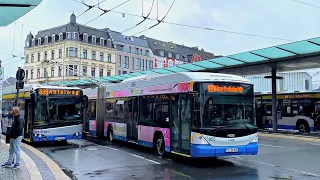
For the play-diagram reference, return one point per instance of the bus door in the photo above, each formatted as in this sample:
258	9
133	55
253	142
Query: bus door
180	124
28	119
133	124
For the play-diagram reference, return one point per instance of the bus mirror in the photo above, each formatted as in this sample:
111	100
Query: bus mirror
85	101
33	97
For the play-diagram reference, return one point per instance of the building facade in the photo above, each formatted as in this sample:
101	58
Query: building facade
290	82
68	52
132	53
168	54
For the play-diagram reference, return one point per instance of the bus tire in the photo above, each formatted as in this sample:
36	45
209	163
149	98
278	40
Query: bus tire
110	134
303	126
159	144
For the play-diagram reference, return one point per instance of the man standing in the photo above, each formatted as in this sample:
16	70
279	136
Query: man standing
16	135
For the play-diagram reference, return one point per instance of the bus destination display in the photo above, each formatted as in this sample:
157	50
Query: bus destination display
47	92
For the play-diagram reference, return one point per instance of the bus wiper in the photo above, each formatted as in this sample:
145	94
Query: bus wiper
217	128
248	127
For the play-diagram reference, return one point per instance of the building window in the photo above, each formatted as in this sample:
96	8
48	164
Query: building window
84	71
101	56
53	39
129	49
46	40
31	74
161	53
150	65
38	57
119	72
52	54
177	56
60	53
38	73
52	71
60	72
93	72
132	61
73	52
108	73
140	51
39	41
101	41
94	55
137	50
70	70
101	72
26	74
147	53
45	55
33	42
142	65
85	37
124	72
138	64
126	62
75	70
170	54
32	57
84	54
60	37
119	60
27	58
109	58
94	39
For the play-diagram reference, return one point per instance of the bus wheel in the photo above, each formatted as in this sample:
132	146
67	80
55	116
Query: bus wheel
303	126
110	134
160	147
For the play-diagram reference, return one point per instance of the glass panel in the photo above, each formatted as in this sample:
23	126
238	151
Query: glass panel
315	40
118	77
191	67
176	69
148	72
207	64
248	57
136	74
126	75
273	53
226	61
162	71
10	14
301	47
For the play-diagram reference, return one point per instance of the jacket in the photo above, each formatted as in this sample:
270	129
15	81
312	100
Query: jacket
17	127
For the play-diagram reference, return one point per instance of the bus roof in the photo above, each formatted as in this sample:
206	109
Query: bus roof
29	87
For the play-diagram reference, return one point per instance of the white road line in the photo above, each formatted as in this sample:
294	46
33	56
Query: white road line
311	174
141	157
111	148
263	163
271	146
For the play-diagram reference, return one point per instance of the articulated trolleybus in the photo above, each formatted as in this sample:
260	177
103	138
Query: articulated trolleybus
191	114
51	113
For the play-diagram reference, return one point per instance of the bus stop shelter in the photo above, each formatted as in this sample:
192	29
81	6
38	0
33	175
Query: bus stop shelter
286	57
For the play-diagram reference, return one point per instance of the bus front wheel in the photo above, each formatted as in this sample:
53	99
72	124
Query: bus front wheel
159	145
303	126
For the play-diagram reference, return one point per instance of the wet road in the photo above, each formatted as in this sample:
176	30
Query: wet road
277	160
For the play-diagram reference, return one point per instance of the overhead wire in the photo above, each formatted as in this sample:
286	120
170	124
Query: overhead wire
308	4
88	6
159	21
105	11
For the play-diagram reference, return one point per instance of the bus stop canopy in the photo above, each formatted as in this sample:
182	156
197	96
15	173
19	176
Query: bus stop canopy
300	50
11	10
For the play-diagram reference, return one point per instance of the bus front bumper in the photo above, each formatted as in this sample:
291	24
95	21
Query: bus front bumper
206	150
43	138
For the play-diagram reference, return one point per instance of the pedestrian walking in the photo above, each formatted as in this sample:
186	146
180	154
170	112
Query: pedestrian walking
15	135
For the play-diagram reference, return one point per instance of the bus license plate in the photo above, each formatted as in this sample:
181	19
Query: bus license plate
59	138
232	150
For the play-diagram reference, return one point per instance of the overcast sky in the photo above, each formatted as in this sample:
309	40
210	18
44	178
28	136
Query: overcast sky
285	19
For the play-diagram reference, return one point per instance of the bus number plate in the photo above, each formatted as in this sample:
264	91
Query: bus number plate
232	150
59	138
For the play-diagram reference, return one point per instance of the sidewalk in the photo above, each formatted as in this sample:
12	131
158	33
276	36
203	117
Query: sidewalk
34	166
308	137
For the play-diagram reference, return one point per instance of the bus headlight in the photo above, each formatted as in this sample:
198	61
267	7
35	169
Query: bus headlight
255	139
196	138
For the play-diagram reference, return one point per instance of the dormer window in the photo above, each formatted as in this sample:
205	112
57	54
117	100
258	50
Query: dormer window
94	39
53	38
33	42
46	40
85	37
170	54
161	53
39	41
60	36
177	56
102	41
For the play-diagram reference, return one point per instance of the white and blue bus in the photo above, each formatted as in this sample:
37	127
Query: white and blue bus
51	113
192	114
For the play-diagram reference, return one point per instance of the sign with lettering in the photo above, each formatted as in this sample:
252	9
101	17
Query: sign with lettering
48	92
228	89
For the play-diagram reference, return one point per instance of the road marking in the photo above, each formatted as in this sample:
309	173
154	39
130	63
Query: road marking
271	146
111	148
141	157
303	172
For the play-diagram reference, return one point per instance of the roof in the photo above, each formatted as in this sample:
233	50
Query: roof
118	37
294	50
185	51
28	87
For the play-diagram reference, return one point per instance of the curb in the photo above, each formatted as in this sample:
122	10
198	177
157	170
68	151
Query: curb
290	136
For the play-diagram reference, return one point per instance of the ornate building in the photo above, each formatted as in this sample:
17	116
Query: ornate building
68	52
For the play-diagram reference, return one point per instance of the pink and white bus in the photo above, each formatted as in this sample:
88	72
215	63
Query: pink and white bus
193	114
